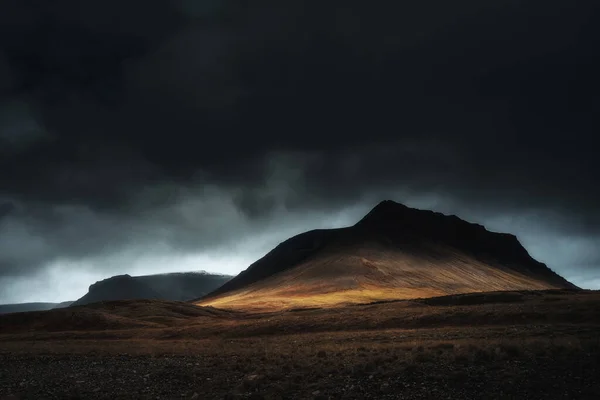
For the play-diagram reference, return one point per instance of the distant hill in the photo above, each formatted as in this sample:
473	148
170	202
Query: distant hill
120	287
25	307
175	287
109	315
394	252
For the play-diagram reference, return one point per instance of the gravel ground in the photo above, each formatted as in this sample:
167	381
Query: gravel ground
566	376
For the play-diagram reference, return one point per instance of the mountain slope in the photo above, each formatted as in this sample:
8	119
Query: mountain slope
394	252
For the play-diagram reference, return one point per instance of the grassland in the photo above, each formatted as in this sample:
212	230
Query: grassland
489	345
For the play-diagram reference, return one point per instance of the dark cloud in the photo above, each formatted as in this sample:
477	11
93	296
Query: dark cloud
6	209
6	76
193	124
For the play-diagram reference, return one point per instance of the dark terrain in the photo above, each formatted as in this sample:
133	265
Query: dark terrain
535	345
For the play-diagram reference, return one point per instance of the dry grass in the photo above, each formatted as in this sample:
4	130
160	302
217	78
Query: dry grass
518	362
172	320
272	300
373	274
492	345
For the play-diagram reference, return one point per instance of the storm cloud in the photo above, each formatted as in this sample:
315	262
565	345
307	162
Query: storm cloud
135	135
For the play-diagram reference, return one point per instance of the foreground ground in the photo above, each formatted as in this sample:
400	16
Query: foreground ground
493	346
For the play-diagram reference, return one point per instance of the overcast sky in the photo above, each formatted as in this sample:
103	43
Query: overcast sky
156	136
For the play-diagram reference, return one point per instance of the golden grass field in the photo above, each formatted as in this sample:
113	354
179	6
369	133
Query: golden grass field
373	274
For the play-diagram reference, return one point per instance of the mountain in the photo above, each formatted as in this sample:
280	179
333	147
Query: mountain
394	252
25	307
120	287
176	286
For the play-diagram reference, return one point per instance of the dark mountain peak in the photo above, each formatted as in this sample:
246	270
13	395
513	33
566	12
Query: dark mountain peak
388	206
110	281
389	212
404	225
385	210
409	229
395	218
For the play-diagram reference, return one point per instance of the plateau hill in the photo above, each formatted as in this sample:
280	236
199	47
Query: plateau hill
174	287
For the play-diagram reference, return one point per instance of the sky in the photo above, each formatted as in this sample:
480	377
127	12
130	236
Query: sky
156	136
